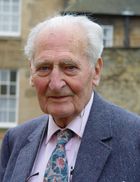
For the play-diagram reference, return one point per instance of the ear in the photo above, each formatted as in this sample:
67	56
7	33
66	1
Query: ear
97	72
31	76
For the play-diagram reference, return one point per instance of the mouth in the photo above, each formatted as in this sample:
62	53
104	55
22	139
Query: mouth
59	98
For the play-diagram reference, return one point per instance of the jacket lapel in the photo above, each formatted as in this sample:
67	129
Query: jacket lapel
26	157
95	145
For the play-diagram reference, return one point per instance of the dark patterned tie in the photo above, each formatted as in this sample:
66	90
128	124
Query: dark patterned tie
57	167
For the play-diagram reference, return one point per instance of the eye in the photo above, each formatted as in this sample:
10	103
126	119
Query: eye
43	70
71	69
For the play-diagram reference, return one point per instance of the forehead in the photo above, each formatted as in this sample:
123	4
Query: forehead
67	38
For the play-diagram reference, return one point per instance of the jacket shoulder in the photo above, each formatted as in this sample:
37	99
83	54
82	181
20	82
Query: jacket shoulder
121	120
29	125
20	133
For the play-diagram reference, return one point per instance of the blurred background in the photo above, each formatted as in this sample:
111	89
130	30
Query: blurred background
120	81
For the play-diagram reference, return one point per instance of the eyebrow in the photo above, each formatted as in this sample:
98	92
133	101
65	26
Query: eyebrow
69	62
39	62
62	62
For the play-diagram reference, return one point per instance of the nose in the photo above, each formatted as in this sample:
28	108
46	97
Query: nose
56	80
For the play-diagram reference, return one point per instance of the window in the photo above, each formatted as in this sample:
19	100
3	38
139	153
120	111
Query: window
8	98
108	35
10	17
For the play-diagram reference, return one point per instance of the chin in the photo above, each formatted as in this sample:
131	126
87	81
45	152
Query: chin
59	110
60	113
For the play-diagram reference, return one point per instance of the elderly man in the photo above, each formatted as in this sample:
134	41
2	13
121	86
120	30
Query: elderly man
81	137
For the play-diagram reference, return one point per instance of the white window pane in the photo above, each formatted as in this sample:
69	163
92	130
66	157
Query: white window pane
3	116
3	104
15	8
9	17
3	75
5	28
6	19
0	17
15	1
8	97
6	7
108	35
12	104
15	19
12	117
14	28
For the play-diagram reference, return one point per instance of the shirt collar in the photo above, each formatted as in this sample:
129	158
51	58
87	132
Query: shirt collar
77	125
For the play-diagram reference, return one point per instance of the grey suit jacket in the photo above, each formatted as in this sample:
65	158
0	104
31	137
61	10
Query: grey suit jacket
109	150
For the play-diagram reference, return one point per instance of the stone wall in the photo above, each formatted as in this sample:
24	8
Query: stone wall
120	81
12	54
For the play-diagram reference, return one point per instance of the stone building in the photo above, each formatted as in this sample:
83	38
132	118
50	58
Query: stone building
120	82
17	99
121	24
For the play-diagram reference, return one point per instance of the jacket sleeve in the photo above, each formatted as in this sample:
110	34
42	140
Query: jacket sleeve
4	155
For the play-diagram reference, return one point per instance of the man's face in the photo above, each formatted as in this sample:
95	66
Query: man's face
61	73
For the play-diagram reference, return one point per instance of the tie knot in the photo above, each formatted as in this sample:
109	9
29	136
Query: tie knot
64	136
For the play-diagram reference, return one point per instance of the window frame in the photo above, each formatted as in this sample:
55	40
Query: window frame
10	33
108	40
4	124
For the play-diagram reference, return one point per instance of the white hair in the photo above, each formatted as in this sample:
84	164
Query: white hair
93	33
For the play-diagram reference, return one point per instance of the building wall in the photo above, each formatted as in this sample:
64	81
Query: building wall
35	11
118	23
120	81
12	54
135	32
118	40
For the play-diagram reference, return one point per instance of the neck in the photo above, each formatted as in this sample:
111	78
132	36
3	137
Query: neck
63	122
